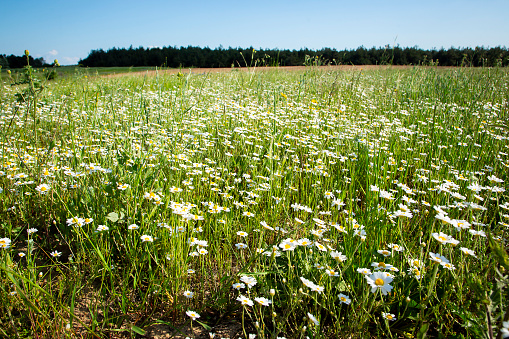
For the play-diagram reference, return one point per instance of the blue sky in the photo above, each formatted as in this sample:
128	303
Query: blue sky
68	30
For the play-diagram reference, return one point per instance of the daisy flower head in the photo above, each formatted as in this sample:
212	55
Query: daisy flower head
320	247
438	258
364	271
441	237
416	272
477	233
381	266
55	254
133	227
193	315
385	253
305	242
102	228
331	273
188	294
249	281
448	265
147	238
312	285
468	251
238	286
151	196
344	299
313	319
32	230
266	226
241	245
380	281
319	266
388	316
43	188
288	245
123	187
263	301
242	234
416	263
396	247
78	222
338	256
5	243
245	300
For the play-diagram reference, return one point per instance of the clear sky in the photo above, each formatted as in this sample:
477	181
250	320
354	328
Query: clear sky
68	30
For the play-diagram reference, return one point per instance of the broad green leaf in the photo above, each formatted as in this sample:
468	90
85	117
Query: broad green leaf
138	330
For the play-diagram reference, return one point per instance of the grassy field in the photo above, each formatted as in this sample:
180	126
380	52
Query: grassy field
71	71
315	203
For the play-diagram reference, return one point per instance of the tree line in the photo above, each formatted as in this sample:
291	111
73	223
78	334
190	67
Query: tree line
13	61
190	56
175	57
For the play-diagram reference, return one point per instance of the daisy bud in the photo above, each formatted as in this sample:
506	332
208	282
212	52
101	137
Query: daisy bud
27	53
272	292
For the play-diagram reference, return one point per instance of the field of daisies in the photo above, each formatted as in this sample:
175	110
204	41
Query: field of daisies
306	204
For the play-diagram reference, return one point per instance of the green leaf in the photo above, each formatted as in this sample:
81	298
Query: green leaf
221	301
422	331
498	252
138	330
205	326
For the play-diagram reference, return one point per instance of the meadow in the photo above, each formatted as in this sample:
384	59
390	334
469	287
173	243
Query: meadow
316	203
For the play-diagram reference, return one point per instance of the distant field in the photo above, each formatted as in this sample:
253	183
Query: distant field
120	71
301	202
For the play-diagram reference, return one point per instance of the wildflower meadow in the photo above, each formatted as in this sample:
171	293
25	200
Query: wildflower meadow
316	203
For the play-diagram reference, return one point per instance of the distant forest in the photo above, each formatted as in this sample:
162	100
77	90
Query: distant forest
13	61
190	56
175	57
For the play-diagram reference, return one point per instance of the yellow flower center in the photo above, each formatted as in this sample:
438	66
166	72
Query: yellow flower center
379	282
381	264
389	317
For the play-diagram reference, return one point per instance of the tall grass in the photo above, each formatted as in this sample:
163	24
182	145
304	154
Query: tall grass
138	199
